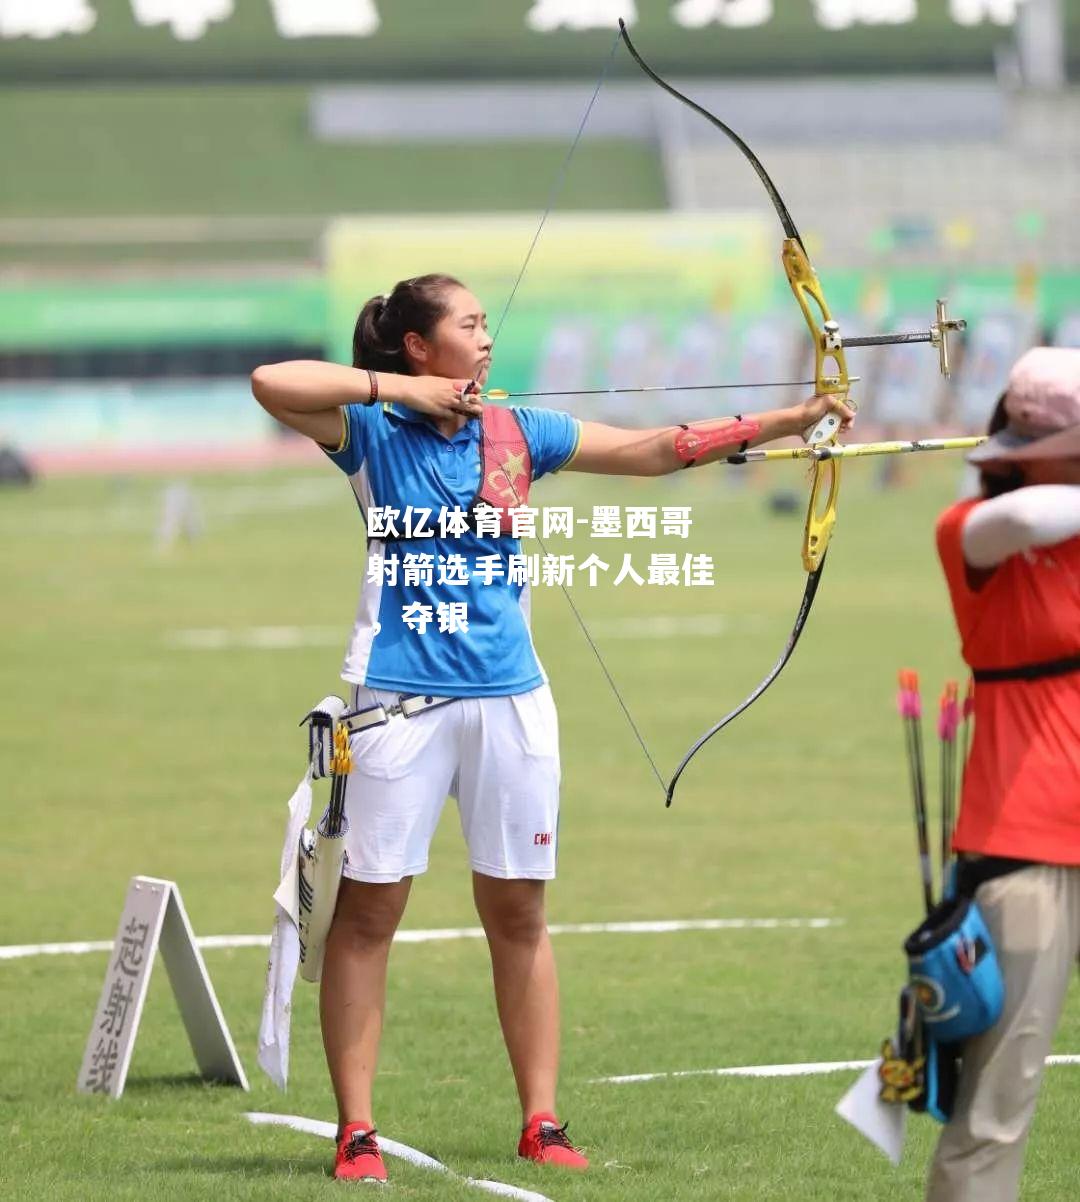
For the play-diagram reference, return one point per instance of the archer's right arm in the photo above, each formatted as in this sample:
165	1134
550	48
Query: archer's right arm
613	450
308	395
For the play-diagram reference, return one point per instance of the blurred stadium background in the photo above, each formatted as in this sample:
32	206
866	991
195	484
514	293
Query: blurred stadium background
196	186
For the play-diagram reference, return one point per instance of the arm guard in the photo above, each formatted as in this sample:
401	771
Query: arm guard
691	444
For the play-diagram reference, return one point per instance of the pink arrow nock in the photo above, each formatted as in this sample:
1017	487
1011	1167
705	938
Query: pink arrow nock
908	701
949	712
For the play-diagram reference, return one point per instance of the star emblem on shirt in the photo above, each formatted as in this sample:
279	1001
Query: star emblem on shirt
504	478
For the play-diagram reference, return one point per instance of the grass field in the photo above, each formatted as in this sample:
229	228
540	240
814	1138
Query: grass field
125	753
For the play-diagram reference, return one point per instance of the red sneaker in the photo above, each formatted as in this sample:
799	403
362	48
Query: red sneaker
543	1140
358	1155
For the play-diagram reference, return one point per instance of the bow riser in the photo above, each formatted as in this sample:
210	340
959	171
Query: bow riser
821	518
830	364
830	379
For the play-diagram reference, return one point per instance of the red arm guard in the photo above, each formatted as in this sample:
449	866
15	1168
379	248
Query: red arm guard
690	444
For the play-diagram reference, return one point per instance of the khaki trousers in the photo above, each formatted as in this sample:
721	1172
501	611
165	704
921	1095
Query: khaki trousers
1034	917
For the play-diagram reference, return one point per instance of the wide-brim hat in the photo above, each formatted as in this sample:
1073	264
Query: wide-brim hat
1042	403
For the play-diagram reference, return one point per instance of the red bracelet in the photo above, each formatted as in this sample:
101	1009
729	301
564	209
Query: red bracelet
373	385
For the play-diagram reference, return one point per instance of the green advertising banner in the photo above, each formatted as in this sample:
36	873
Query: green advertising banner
371	39
160	313
589	273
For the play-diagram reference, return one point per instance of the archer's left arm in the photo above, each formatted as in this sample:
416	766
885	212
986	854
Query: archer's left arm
613	450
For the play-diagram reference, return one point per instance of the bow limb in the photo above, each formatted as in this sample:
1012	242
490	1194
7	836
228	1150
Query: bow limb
812	581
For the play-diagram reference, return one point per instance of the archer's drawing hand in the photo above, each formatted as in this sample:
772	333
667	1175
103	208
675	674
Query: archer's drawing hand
438	397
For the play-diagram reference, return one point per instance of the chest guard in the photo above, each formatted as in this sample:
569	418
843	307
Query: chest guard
505	466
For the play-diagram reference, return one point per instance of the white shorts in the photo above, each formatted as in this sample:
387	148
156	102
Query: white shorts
497	756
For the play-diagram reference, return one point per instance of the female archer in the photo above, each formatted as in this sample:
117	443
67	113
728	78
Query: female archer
450	698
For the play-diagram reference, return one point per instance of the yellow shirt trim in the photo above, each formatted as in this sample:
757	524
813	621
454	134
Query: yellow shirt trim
344	442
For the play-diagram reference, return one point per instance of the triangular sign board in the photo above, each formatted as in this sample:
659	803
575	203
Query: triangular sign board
154	917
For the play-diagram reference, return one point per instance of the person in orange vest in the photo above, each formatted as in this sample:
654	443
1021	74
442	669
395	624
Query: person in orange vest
1012	562
463	708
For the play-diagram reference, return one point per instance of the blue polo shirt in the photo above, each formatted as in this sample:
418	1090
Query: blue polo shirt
396	458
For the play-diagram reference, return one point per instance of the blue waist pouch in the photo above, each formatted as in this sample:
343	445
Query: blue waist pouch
954	971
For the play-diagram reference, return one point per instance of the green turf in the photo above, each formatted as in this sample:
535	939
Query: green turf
126	755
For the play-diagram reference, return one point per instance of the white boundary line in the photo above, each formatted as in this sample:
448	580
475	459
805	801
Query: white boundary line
277	638
392	1148
812	1069
262	638
19	951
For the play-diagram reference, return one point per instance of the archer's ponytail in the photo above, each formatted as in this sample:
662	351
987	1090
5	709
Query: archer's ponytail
415	305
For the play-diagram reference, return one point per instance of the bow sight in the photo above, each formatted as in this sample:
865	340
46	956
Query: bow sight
937	335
